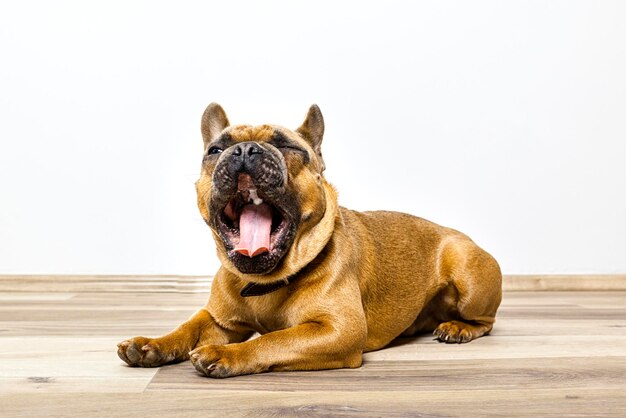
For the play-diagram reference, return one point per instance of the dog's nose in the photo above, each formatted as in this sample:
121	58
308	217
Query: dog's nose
247	149
246	156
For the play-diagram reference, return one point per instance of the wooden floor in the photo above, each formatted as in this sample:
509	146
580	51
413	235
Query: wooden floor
550	353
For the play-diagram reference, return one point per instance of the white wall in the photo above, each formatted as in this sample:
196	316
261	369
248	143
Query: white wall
506	120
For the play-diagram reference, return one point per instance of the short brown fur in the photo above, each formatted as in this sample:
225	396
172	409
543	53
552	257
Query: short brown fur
357	280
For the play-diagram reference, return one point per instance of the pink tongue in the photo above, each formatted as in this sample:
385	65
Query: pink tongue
255	224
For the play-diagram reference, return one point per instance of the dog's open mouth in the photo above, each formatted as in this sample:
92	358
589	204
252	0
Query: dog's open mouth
250	224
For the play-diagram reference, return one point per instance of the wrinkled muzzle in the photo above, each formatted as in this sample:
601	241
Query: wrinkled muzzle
251	208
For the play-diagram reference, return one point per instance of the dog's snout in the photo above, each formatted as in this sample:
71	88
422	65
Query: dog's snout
268	171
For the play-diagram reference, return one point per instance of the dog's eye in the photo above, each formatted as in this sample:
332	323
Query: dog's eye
287	148
214	150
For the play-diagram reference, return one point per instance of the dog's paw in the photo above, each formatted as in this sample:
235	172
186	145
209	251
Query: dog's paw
143	352
454	332
218	361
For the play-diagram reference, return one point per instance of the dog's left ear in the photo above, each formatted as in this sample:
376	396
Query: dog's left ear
312	130
214	121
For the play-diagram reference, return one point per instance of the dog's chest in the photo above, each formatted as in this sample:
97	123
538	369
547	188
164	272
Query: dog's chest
269	313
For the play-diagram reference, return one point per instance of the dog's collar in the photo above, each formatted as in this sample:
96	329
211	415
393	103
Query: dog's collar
260	289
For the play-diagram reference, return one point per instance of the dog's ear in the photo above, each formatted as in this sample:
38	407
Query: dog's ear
214	121
312	130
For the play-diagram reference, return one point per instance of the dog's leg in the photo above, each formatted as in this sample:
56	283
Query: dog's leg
478	283
309	346
175	346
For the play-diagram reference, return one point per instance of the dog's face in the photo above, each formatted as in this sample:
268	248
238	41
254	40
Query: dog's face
260	191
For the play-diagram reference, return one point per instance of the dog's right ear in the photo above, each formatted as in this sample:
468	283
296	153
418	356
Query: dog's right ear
214	121
312	130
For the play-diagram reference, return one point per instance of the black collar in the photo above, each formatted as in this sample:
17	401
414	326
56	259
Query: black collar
260	289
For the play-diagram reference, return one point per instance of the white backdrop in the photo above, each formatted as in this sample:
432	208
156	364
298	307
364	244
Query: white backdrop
505	120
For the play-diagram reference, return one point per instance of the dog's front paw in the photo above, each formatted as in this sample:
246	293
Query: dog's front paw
219	361
143	352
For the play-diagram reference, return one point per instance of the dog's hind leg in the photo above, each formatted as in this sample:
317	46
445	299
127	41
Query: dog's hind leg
477	281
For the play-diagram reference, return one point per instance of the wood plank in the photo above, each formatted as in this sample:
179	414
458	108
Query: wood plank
70	385
371	403
562	282
30	297
495	346
50	357
195	284
416	375
103	283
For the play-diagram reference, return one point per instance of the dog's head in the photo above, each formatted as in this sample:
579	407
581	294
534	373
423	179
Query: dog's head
262	193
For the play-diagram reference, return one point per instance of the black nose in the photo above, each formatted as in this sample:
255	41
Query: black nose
246	156
247	149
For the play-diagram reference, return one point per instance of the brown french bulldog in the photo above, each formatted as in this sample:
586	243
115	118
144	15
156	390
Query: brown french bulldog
320	283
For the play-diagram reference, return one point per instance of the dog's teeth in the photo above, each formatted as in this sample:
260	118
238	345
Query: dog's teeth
255	198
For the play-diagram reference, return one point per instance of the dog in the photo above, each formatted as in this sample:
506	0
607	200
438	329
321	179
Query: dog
320	283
